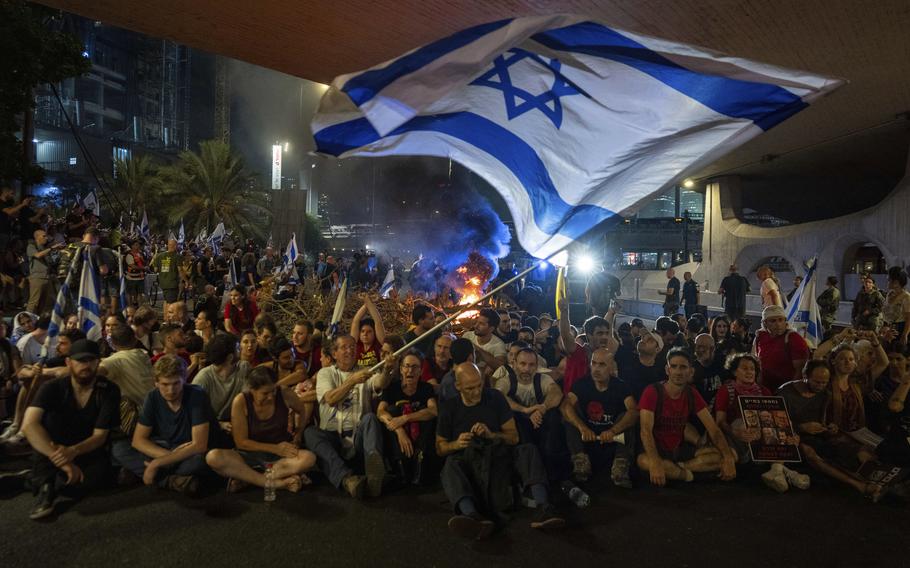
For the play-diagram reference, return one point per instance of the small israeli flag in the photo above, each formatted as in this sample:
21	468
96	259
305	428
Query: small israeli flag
802	311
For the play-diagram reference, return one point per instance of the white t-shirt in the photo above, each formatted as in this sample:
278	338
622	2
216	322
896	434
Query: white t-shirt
767	287
29	349
358	402
524	393
495	347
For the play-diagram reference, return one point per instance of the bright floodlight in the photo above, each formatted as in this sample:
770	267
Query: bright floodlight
543	265
585	263
688	184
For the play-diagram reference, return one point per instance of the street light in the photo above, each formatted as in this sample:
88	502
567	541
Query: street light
585	264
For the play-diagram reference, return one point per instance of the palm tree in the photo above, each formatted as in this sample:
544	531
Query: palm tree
212	186
138	186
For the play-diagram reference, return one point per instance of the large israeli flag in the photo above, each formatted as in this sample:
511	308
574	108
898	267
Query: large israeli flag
89	308
802	311
572	121
386	289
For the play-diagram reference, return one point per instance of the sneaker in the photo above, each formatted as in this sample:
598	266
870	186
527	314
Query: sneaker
44	505
546	518
355	485
185	484
471	526
11	429
581	467
776	480
796	479
16	445
375	470
619	473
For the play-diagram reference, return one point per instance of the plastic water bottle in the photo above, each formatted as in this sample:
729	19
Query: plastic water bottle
576	494
269	484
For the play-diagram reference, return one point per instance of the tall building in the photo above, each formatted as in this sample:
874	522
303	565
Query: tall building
141	95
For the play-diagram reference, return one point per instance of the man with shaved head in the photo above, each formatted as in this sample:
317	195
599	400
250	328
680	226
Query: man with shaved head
597	411
477	436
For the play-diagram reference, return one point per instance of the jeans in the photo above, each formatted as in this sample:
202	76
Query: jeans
550	440
96	473
128	457
327	447
462	475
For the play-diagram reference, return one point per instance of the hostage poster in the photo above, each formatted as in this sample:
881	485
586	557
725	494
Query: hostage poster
767	417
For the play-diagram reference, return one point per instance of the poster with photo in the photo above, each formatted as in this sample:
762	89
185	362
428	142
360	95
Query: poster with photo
767	417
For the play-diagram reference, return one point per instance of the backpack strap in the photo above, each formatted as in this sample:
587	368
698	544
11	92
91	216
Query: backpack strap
538	392
513	381
659	406
690	400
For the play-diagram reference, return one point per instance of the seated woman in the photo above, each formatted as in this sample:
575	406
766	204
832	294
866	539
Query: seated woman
248	347
746	371
240	312
259	420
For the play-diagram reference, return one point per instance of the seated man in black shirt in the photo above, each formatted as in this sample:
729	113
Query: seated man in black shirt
67	425
598	411
172	433
408	410
476	434
645	369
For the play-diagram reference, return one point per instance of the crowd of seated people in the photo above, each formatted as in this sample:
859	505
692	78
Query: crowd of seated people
516	408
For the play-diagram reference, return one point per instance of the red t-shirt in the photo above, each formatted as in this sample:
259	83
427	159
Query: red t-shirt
368	357
674	415
731	407
577	366
777	355
431	371
242	320
312	359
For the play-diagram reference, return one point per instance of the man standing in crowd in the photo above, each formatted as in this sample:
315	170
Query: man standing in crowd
477	436
733	288
68	425
347	428
166	265
671	294
691	295
782	351
41	276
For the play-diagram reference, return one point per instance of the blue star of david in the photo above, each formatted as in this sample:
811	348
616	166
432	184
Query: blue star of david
519	101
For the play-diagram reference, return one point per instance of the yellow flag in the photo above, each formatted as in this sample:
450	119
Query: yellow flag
560	288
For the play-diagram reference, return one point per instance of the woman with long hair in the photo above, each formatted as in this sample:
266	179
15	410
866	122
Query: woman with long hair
240	312
770	287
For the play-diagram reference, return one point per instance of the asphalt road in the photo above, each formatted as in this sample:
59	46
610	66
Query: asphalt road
703	524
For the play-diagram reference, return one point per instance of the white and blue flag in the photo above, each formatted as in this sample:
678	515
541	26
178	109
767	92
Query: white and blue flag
388	283
573	122
124	299
144	230
181	234
215	239
288	265
802	312
89	308
91	203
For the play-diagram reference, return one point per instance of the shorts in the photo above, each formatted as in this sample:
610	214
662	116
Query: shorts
135	287
258	460
170	294
110	286
682	453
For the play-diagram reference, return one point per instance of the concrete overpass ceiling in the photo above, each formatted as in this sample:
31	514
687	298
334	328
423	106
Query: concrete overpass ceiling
864	42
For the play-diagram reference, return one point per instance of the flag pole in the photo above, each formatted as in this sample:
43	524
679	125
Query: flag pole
465	308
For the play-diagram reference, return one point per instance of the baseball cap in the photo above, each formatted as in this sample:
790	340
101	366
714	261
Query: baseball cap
773	312
656	336
85	350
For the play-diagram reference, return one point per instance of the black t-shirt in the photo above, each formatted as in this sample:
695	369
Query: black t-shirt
176	428
68	424
638	377
455	418
426	345
690	292
6	222
734	287
600	409
507	338
400	403
26	227
673	286
708	379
